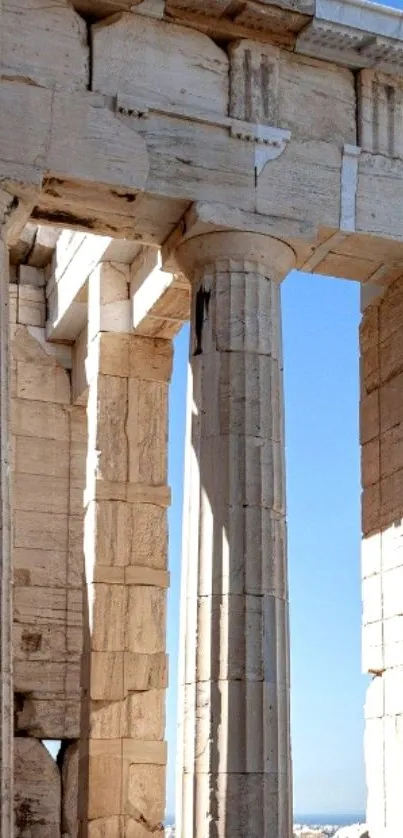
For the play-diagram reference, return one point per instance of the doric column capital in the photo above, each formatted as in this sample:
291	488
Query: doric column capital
235	251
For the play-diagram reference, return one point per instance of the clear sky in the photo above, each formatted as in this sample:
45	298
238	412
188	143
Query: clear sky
320	335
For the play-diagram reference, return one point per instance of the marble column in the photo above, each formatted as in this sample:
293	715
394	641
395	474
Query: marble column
126	569
6	685
234	772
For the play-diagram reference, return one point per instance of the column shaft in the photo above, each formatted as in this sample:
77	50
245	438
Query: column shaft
126	572
236	772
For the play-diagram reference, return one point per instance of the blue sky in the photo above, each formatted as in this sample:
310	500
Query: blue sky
320	335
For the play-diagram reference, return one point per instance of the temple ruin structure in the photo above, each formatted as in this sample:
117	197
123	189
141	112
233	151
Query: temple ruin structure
164	161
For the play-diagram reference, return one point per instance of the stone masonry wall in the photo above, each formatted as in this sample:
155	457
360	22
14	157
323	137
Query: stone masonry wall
48	477
381	338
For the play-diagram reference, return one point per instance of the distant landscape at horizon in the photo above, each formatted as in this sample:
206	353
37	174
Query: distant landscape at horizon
341	819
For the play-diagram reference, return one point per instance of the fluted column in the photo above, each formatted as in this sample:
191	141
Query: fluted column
234	777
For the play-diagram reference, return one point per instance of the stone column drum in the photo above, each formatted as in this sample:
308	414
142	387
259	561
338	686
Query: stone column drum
234	772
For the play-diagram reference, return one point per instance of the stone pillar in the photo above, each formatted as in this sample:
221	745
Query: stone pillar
6	686
235	763
381	409
126	569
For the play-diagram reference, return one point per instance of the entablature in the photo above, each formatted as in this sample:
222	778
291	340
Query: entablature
156	118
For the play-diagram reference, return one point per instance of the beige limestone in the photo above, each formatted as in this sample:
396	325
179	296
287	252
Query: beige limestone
235	746
70	779
48	471
125	566
53	716
37	801
144	671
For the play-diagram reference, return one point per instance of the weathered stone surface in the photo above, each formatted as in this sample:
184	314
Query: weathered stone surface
45	568
147	428
150	536
176	67
43	456
31	306
40	530
47	475
140	716
49	494
106	678
47	680
150	359
146	620
37	800
111	439
145	671
70	789
235	673
105	778
109	616
145	794
316	167
126	599
50	717
42	383
169	149
59	61
39	419
112	525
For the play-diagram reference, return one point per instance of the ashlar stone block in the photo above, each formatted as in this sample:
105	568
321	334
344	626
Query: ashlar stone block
372	599
110	423
392	587
109	617
112	529
42	383
145	793
144	716
147	425
150	536
145	671
48	718
105	778
40	530
371	555
146	620
106	677
40	419
37	790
